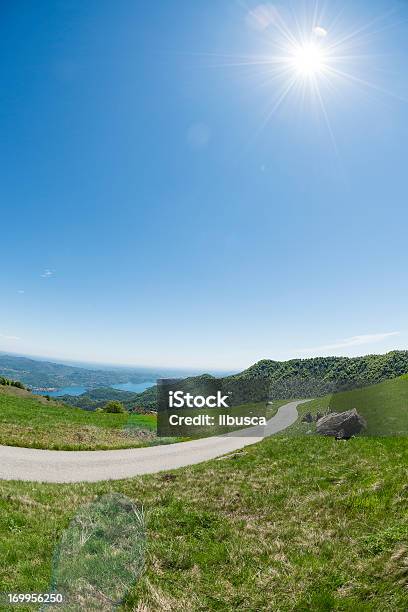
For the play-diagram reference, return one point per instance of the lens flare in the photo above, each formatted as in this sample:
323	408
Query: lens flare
311	58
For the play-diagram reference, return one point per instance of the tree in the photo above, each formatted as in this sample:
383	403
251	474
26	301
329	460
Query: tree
11	383
114	407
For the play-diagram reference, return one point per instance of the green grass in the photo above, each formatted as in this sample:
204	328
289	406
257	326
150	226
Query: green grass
290	524
30	421
33	421
384	407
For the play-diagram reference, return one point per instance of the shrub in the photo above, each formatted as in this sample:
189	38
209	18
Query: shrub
11	383
18	384
114	407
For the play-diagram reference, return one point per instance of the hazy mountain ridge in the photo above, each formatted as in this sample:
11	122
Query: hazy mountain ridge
265	379
45	374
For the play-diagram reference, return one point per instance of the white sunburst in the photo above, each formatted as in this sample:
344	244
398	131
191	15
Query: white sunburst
310	57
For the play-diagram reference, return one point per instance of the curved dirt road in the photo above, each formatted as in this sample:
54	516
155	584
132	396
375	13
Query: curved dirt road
93	466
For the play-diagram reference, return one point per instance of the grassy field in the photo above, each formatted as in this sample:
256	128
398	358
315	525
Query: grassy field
292	523
295	523
384	407
35	422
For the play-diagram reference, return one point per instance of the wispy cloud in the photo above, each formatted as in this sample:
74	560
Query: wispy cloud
21	291
346	343
47	273
5	337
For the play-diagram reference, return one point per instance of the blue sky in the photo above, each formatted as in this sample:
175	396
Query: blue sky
159	207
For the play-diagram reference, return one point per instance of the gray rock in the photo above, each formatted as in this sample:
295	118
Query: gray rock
341	425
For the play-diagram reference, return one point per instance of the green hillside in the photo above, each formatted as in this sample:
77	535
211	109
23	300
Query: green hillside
319	375
33	421
314	377
383	406
298	378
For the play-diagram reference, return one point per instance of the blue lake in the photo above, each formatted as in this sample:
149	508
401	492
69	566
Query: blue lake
135	387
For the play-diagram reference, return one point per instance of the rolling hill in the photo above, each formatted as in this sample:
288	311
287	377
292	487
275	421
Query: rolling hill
33	421
302	378
319	375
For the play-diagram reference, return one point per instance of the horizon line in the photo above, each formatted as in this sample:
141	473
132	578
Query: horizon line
69	361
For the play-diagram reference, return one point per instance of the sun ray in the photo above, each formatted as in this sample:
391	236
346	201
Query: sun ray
276	104
365	83
359	33
309	54
326	118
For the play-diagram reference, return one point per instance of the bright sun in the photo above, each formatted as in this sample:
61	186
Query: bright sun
308	59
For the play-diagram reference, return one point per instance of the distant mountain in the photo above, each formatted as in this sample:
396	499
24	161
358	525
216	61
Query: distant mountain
301	378
46	374
267	379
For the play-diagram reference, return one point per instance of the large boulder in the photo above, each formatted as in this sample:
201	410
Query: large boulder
341	425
